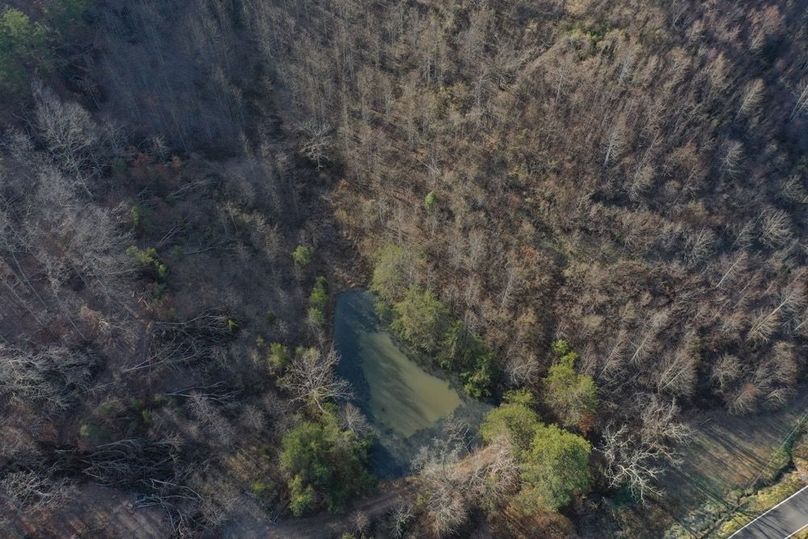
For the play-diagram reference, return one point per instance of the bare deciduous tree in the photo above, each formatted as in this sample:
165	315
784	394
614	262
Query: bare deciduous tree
454	481
52	378
744	400
801	104
615	142
316	143
630	464
752	97
210	417
732	162
31	489
69	132
767	321
399	520
677	374
775	228
354	420
311	378
634	456
726	372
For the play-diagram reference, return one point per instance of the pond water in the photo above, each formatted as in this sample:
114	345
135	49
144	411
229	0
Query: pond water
406	405
402	396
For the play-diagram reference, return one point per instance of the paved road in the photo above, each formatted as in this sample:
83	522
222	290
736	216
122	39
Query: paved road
781	521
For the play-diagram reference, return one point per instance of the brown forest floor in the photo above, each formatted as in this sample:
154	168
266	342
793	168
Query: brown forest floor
96	512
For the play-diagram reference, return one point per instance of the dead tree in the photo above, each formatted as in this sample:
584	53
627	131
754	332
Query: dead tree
29	490
50	379
185	342
155	471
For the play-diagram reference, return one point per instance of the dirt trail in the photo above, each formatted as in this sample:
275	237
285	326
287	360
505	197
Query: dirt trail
390	496
326	525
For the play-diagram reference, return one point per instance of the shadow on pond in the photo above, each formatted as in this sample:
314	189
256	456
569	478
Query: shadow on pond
406	405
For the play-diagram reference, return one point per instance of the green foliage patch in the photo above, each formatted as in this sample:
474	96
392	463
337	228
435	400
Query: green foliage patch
149	263
23	50
326	465
554	463
318	301
420	319
573	397
389	279
423	322
301	256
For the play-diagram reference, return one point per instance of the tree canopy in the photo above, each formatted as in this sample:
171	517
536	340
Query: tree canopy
573	397
420	319
554	463
326	465
389	279
22	49
515	419
555	469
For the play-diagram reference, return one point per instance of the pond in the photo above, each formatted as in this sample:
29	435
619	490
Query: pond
406	405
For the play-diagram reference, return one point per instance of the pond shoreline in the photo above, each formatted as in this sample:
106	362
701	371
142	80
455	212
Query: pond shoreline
407	400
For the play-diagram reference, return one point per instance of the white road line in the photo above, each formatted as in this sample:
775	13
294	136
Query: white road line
798	531
768	511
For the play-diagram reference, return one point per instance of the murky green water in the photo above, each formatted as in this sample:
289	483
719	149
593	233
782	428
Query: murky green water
395	392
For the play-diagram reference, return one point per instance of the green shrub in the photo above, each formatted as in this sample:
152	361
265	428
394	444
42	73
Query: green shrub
318	301
478	381
67	17
149	262
302	256
430	200
262	489
301	496
554	463
325	465
278	356
94	433
454	346
22	50
319	294
466	352
383	310
555	469
119	165
420	319
315	317
141	218
389	278
514	418
573	397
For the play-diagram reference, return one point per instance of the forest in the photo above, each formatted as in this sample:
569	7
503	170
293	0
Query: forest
589	215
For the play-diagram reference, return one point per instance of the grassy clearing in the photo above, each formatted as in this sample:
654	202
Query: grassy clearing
735	467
